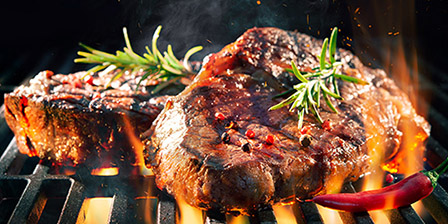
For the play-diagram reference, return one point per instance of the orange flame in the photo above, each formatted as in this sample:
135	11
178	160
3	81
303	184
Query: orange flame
188	214
95	210
137	146
284	214
107	171
392	21
329	215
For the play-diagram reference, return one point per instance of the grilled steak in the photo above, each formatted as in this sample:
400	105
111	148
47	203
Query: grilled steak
217	145
70	120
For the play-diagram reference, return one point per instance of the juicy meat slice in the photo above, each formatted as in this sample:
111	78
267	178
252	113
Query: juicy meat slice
199	150
69	119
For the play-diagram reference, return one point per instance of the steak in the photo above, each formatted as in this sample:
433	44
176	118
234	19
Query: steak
217	145
72	119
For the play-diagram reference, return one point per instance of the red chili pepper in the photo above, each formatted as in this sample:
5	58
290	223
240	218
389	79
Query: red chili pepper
405	192
220	116
250	134
270	139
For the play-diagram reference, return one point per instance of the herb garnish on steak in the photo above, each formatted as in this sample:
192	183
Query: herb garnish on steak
211	162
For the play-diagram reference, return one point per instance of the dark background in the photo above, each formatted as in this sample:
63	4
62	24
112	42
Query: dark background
39	35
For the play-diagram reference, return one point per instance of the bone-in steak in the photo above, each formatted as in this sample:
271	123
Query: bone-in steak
69	120
218	146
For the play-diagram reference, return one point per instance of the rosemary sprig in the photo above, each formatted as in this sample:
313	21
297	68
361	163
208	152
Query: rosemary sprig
317	84
165	68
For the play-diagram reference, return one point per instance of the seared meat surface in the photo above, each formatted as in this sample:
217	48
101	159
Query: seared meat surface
70	120
217	146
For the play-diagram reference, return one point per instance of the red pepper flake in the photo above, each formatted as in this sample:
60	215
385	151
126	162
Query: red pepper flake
96	95
24	101
389	178
89	80
250	133
219	116
169	104
77	83
270	139
48	73
65	80
327	125
305	130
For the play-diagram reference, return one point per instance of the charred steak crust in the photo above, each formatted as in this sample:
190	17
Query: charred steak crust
69	120
198	148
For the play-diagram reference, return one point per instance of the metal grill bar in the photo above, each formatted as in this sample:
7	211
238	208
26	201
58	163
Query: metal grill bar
309	213
121	188
166	210
437	204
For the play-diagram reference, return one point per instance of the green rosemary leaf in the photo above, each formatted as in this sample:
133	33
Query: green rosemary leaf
300	86
316	113
167	67
155	51
299	100
332	80
90	56
136	59
317	93
145	76
85	60
126	38
164	85
99	53
300	116
350	79
309	92
172	63
285	102
337	64
94	69
157	66
123	58
287	92
149	55
333	40
297	72
329	92
188	55
323	54
329	103
314	84
170	53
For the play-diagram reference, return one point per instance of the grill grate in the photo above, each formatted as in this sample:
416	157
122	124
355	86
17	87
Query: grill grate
43	197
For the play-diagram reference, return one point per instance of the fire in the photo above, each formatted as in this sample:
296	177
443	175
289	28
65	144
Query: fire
95	210
107	171
188	214
284	214
329	215
146	209
137	147
392	21
241	219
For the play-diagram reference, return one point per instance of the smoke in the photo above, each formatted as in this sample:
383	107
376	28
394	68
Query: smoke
213	24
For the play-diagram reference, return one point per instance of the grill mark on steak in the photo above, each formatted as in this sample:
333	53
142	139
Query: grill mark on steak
185	149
